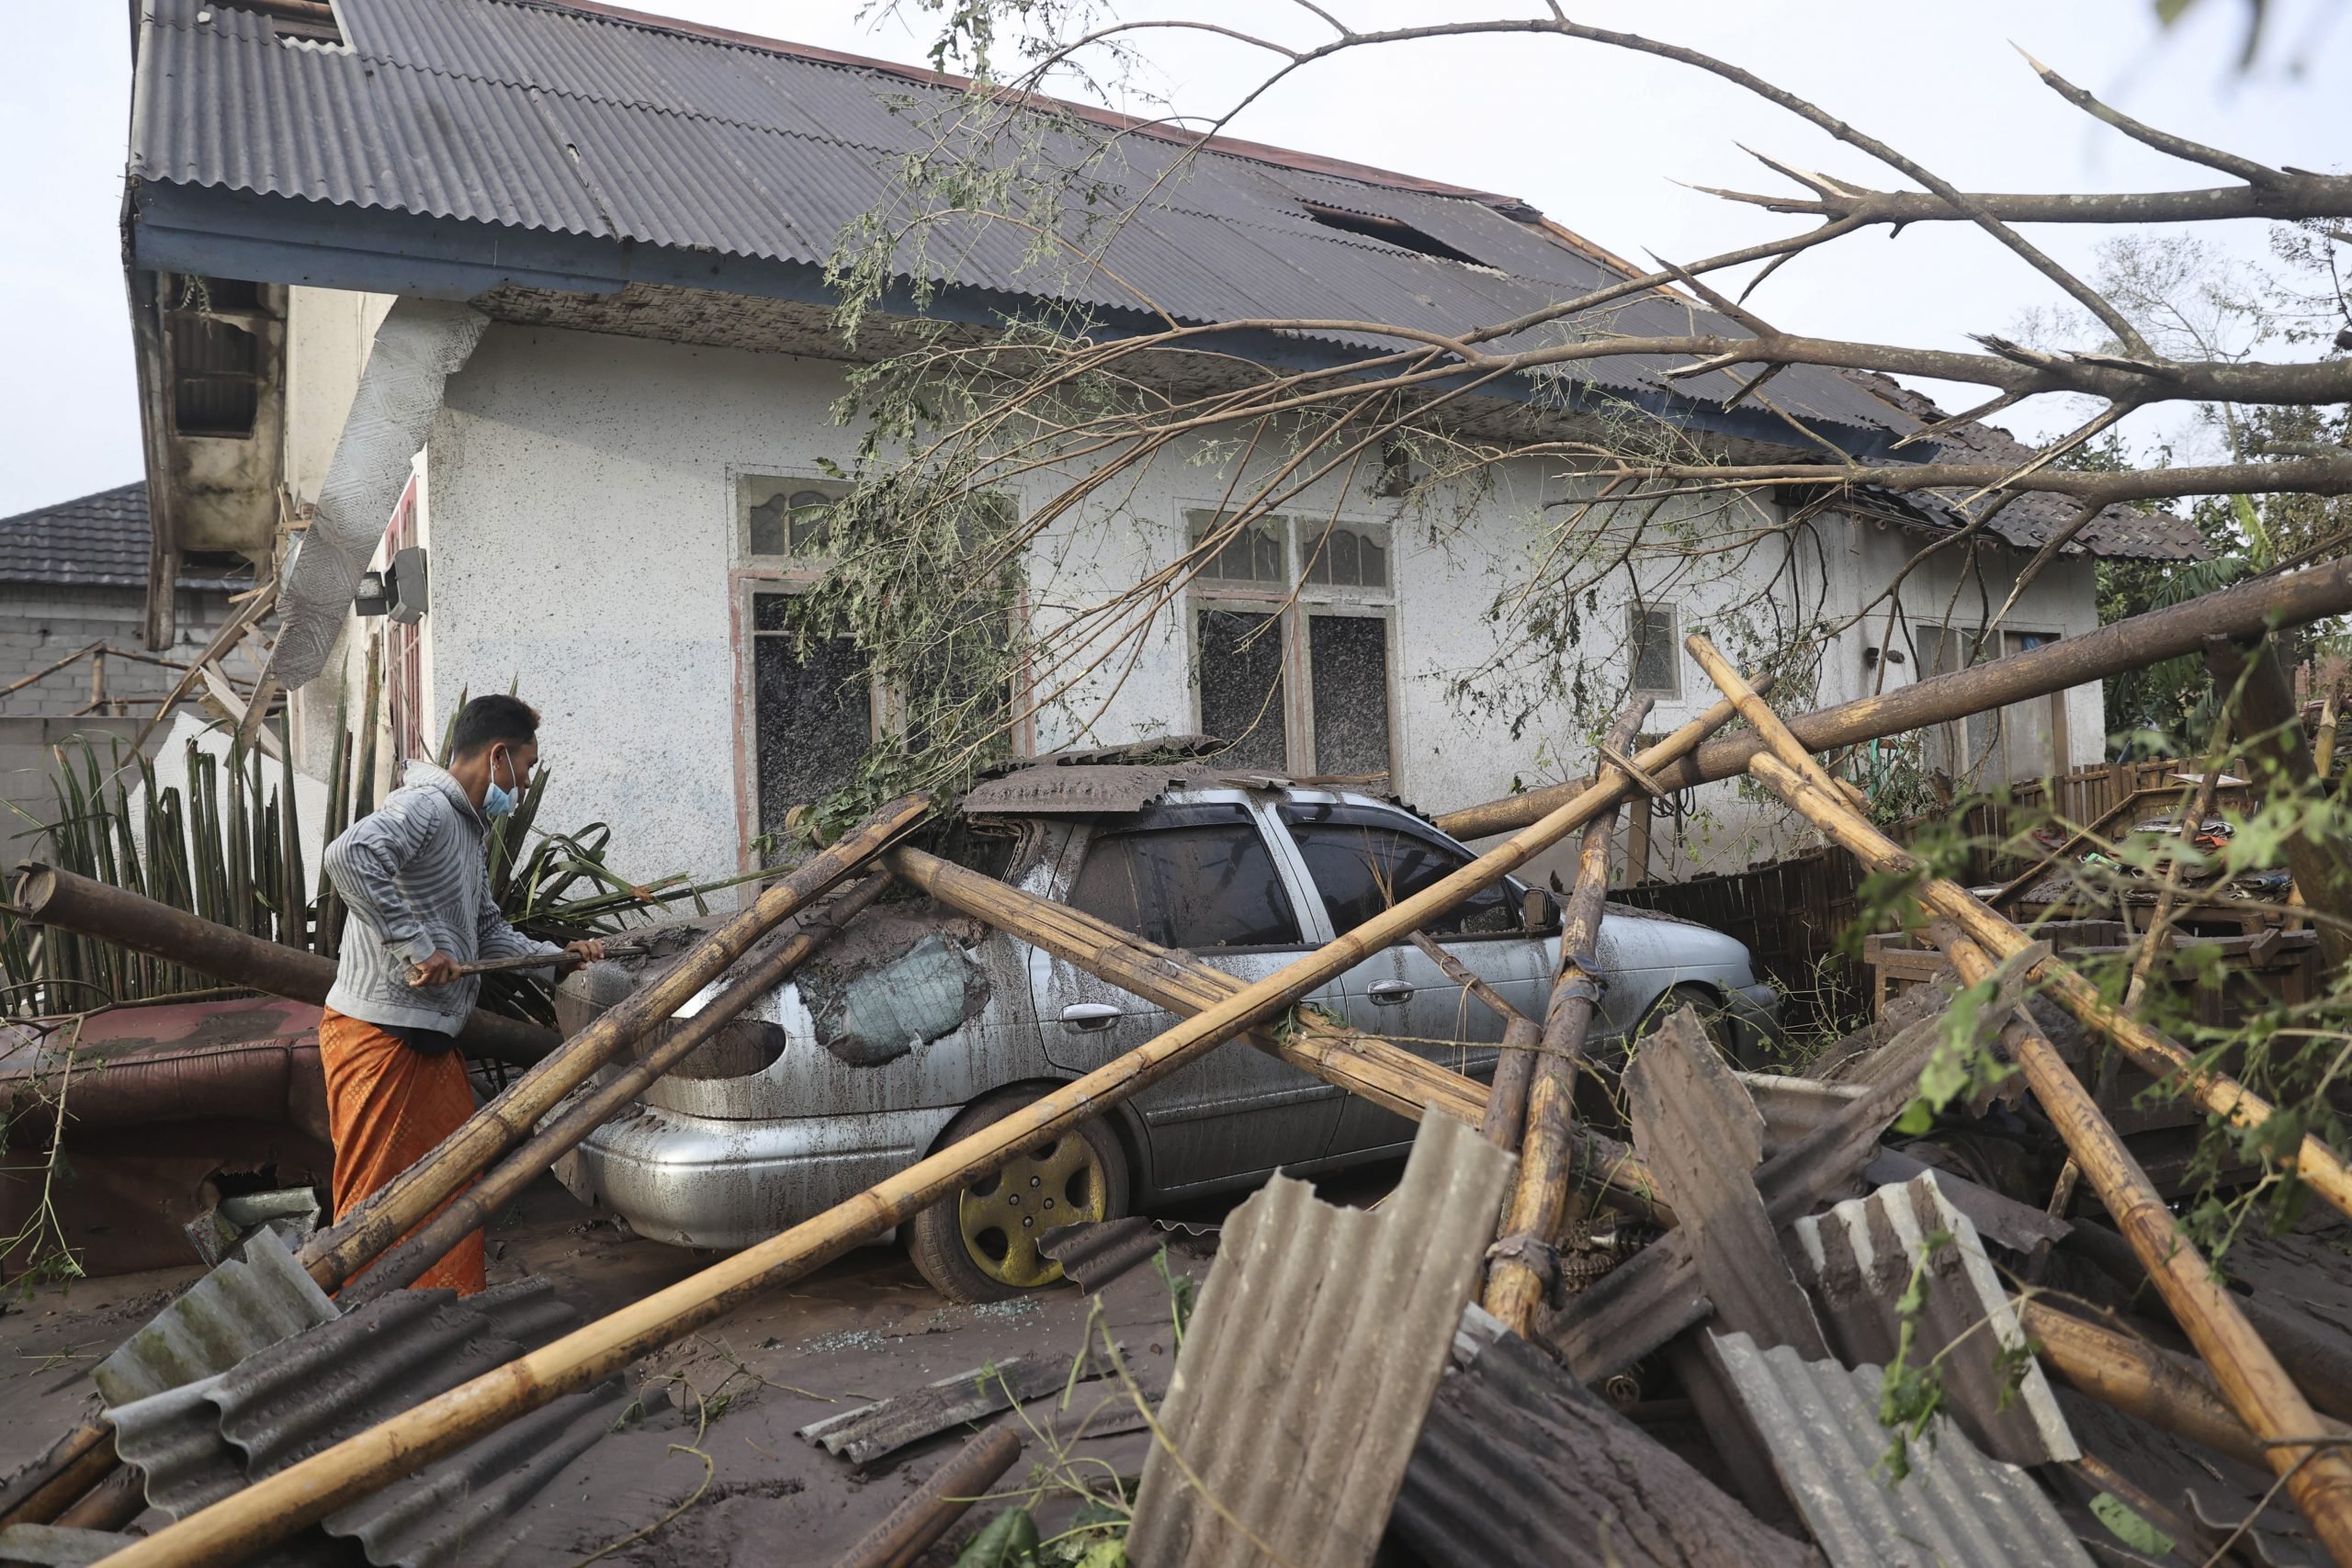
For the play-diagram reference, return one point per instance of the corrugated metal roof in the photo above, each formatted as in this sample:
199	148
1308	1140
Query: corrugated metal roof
204	1441
2033	518
1818	1422
545	118
1859	1258
1519	1462
1300	1388
94	541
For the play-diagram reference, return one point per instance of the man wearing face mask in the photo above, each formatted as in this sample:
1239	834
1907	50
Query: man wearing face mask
415	874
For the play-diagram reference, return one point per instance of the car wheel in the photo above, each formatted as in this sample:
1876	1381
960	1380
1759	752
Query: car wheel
1704	1007
981	1244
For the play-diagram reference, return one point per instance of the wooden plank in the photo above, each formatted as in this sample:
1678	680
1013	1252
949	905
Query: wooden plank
1702	1139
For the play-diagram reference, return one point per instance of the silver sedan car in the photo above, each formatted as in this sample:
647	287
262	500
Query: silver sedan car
918	1026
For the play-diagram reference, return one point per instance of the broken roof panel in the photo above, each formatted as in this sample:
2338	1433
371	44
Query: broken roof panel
1818	1422
1519	1462
1305	1373
571	121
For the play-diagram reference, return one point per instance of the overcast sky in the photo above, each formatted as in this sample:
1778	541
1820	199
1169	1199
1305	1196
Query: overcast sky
1596	137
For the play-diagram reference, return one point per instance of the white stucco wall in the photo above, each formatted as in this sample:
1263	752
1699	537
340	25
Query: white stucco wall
582	498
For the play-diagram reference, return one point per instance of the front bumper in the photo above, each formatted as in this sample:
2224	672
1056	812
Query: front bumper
701	1181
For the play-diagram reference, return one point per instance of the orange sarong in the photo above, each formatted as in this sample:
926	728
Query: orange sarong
388	1105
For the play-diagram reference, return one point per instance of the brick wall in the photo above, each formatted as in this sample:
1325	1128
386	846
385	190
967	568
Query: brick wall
41	623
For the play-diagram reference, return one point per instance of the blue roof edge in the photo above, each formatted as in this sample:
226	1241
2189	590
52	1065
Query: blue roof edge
222	232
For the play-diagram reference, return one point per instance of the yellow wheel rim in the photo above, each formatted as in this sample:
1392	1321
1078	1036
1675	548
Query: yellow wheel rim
1003	1216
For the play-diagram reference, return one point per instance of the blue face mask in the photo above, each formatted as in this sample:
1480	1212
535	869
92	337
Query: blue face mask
498	800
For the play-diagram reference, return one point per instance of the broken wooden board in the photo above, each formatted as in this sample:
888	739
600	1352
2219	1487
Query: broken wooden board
1702	1139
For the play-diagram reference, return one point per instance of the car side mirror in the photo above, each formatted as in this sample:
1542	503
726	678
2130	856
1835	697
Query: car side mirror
1537	913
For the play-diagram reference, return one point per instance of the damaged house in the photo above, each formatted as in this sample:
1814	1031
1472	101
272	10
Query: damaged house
528	302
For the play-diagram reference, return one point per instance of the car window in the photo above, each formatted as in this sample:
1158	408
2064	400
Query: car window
1363	864
1211	885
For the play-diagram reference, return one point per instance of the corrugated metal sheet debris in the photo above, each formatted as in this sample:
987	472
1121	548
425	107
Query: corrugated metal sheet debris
54	1546
869	1433
1094	1255
1108	787
1304	1377
252	1302
1818	1421
1858	1259
199	1443
1520	1462
536	117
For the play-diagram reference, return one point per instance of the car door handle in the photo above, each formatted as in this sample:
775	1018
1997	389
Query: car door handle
1087	1017
1390	992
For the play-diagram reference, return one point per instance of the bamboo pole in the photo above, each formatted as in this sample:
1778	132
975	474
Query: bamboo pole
276	1507
2145	1381
931	1508
2212	1091
2317	1475
398	1267
339	1252
1387	1075
1515	1285
2247	610
1790	771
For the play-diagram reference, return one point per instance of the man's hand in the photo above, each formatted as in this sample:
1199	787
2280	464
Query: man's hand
438	970
587	950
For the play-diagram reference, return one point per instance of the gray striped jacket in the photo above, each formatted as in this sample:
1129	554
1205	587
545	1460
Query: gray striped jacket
415	873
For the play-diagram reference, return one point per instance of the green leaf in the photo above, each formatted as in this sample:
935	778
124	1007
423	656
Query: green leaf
2128	1526
1010	1540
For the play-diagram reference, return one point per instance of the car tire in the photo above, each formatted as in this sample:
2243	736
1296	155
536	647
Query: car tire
1710	1015
981	1244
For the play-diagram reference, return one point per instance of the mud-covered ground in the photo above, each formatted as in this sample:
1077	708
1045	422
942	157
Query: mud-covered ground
866	1327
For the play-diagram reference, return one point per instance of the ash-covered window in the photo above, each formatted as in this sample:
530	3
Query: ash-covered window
1347	555
1196	887
1250	552
813	712
1289	641
1347	664
785	517
1655	657
1241	685
1364	863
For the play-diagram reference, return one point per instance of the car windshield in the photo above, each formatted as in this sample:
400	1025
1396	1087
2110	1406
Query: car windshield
1362	862
1194	885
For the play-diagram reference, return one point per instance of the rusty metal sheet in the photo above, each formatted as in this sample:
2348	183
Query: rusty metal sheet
1818	1422
1304	1377
1860	1259
1099	788
1519	1462
1703	1138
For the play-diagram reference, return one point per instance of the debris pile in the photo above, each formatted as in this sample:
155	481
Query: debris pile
1623	1308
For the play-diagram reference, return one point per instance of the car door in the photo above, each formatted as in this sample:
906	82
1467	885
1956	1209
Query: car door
1362	856
1194	872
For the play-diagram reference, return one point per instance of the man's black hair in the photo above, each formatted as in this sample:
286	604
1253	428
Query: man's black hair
485	721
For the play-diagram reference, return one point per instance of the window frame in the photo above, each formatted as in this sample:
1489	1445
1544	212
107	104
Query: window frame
1635	610
802	566
1291	601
